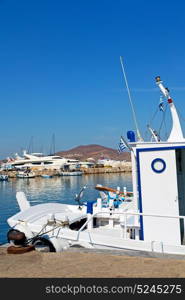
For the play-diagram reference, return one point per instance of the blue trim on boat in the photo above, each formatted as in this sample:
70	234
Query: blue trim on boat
140	195
159	148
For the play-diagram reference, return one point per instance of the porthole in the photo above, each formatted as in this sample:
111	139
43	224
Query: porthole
158	165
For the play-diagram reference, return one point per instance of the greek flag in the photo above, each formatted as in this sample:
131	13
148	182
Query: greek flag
161	105
122	145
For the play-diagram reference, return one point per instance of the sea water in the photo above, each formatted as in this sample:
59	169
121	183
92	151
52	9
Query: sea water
60	189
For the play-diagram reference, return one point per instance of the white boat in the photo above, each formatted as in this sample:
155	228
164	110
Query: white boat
63	225
71	173
25	174
71	169
152	220
37	161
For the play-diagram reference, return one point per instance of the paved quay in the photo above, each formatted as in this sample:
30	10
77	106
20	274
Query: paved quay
83	263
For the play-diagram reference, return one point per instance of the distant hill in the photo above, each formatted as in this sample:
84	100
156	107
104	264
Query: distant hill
96	152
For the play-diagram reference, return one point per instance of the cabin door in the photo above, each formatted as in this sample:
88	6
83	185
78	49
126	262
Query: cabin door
159	195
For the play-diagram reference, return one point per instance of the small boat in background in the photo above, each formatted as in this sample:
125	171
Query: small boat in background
72	173
26	174
3	177
71	169
46	176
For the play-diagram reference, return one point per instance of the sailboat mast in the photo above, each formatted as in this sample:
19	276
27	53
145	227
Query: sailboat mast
52	149
130	99
30	147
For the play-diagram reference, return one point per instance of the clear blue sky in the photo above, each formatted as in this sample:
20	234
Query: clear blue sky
60	71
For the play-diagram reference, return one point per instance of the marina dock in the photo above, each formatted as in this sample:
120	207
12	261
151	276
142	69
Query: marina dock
126	168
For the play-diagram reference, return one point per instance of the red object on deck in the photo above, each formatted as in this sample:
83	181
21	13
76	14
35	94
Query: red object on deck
170	100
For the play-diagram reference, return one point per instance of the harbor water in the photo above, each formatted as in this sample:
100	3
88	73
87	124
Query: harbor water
58	189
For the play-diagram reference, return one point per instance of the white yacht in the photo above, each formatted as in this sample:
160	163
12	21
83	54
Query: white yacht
38	161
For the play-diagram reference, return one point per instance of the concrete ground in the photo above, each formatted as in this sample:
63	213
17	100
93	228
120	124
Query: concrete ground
81	263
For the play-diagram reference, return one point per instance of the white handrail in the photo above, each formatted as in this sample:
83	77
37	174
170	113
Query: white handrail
125	214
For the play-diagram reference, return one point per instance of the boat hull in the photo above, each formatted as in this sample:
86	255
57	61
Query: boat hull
25	176
77	173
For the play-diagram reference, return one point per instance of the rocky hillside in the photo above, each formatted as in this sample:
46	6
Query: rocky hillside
96	152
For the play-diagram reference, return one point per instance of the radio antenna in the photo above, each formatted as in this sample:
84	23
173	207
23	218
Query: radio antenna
130	99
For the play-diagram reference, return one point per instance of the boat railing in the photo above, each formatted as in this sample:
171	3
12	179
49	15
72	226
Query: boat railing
125	214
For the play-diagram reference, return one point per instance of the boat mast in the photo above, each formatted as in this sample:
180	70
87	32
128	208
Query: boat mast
52	148
30	147
176	134
131	104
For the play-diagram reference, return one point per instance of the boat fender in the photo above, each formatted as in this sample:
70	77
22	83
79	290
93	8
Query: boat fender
43	244
16	237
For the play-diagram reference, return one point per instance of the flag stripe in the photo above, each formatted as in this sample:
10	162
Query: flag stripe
122	146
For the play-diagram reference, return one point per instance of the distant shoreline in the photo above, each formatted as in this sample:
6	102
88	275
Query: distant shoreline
86	171
105	170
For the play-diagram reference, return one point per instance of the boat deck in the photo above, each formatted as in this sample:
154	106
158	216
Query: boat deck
106	231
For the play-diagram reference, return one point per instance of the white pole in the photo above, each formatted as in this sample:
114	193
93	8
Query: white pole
132	107
90	223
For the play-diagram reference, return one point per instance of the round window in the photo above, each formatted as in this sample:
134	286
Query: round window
158	165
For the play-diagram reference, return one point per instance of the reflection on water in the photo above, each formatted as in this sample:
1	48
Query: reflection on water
56	189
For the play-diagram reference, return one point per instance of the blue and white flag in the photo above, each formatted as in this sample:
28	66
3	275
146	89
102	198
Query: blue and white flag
161	104
122	145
